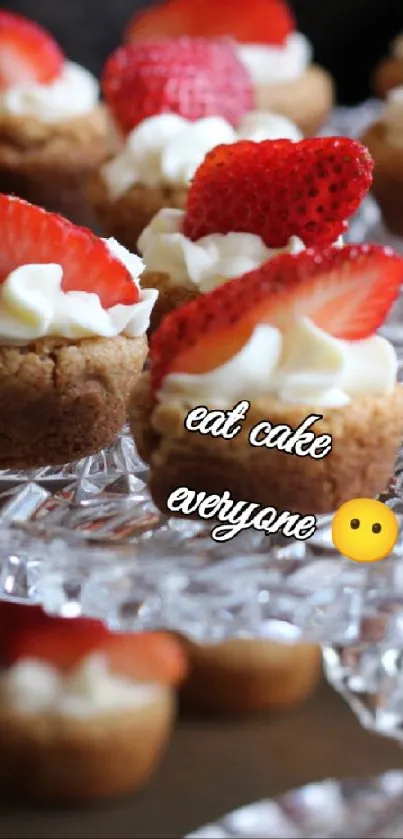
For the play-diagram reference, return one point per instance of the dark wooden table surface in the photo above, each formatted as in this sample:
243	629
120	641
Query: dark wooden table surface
212	768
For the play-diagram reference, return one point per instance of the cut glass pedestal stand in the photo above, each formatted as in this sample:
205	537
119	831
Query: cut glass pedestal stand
86	539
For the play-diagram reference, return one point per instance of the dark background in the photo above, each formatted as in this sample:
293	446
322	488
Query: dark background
349	36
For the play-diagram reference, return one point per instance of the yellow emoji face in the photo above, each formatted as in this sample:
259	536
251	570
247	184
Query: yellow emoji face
365	530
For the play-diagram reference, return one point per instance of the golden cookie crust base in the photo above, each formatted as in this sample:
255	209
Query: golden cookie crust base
387	76
387	185
61	401
243	676
307	101
126	217
170	296
47	164
366	435
52	758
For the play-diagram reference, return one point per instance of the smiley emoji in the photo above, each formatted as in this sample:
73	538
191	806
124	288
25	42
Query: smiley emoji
365	530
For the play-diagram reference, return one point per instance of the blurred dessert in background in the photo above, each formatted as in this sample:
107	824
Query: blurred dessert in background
84	713
389	72
249	676
384	139
171	101
53	131
278	57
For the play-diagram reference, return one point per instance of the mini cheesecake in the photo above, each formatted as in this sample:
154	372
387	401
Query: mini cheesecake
73	322
84	714
295	341
389	73
53	130
167	121
242	677
384	139
277	56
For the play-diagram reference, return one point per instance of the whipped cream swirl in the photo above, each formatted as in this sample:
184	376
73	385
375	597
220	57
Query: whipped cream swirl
272	64
303	365
33	305
72	94
209	261
393	118
167	149
34	687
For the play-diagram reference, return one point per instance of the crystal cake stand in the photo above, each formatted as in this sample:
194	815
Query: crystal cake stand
325	810
86	539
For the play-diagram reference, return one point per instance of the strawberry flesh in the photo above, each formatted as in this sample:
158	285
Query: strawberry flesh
63	643
149	657
279	189
28	54
30	235
59	642
347	292
194	78
266	21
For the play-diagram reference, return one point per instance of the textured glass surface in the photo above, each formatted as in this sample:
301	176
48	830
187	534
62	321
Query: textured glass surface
325	810
87	539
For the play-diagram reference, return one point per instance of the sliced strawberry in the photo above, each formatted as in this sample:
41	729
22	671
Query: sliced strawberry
30	235
147	657
17	615
58	641
279	189
347	292
171	19
266	21
13	616
194	78
28	53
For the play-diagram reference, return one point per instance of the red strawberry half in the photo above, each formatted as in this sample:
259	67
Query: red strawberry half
279	189
265	22
30	235
27	52
63	643
22	625
194	78
347	292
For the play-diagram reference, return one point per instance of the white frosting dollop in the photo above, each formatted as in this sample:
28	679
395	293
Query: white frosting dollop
34	687
167	149
271	64
265	125
72	94
393	118
207	262
33	305
304	365
397	47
